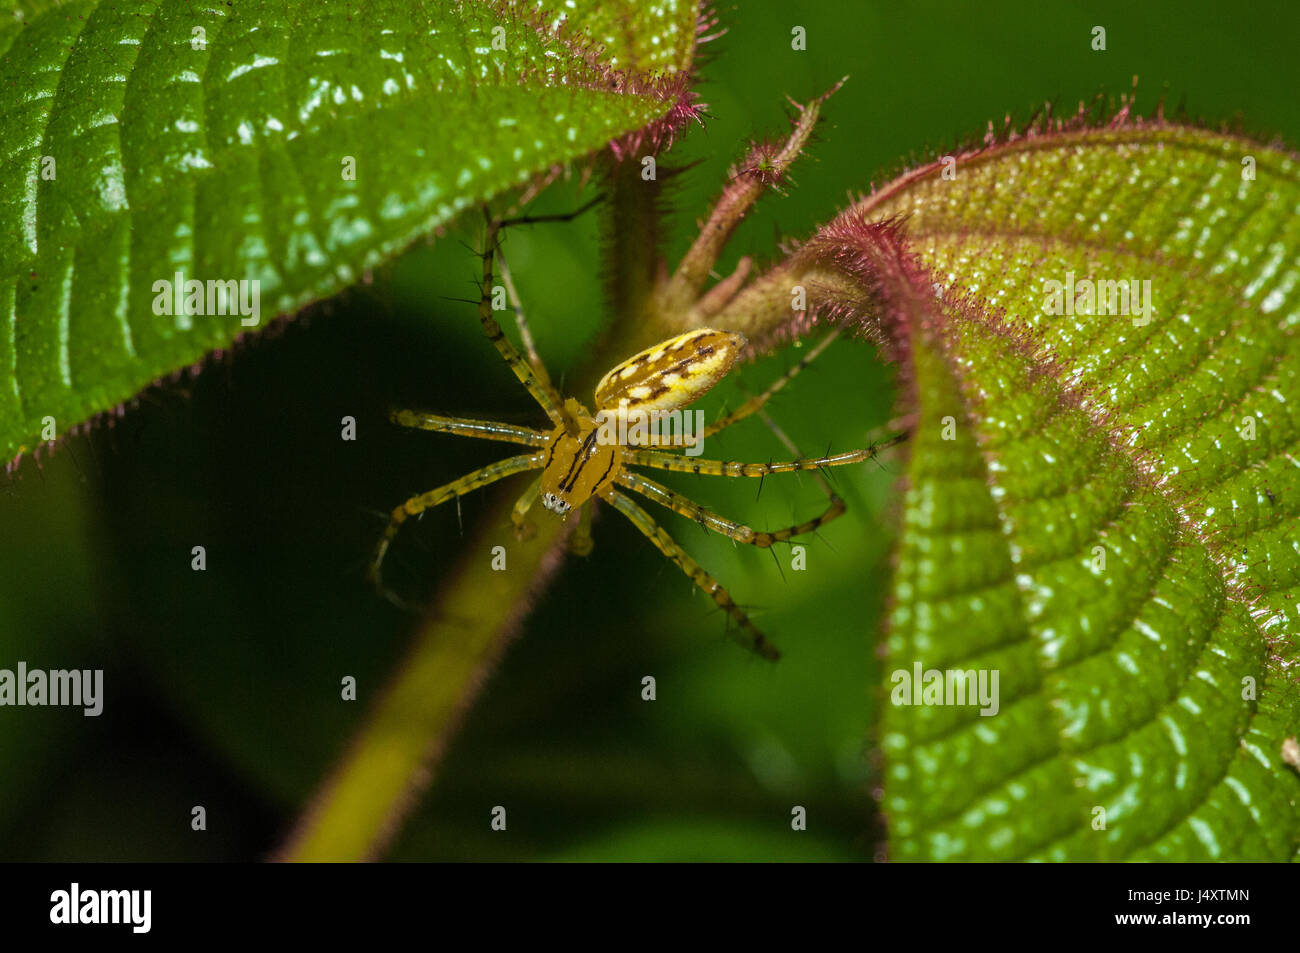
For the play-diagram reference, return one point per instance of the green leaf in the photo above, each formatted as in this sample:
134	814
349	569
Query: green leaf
1102	511
144	140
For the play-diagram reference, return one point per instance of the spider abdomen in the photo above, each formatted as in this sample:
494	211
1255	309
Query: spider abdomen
671	374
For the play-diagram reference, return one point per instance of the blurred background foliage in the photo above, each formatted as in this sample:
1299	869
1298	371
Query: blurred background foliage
223	687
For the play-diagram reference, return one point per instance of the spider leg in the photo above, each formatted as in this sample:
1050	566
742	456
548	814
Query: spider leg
821	474
525	332
524	529
756	403
581	543
661	460
454	490
679	439
720	524
747	633
542	392
466	427
553	216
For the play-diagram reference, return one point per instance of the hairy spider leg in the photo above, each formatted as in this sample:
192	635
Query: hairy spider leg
673	462
661	460
819	475
524	529
542	392
521	322
720	524
467	427
746	632
754	404
466	484
581	543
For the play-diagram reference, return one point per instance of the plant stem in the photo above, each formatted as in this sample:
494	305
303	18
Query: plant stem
362	804
393	759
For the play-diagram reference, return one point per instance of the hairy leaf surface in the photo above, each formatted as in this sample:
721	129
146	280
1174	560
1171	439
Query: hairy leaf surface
1101	508
293	144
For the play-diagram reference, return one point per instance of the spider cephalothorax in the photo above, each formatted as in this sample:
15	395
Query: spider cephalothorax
585	453
588	456
577	465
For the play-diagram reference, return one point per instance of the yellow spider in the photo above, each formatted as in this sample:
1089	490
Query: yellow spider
578	465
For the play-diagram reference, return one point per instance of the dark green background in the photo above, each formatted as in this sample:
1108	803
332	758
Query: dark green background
223	687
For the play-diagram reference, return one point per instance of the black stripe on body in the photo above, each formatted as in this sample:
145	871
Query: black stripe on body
579	461
605	475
